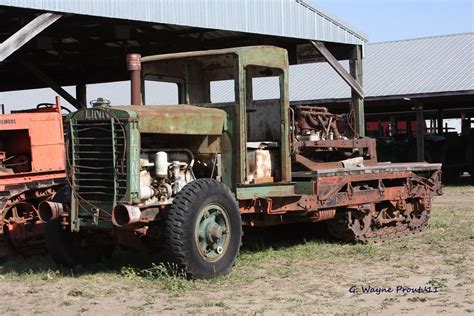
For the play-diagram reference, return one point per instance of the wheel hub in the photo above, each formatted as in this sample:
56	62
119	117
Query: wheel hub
212	232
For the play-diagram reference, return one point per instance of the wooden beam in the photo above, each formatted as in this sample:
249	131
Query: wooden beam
43	77
420	132
338	68
440	121
26	33
81	94
355	65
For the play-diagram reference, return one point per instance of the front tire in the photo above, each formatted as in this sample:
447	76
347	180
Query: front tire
203	229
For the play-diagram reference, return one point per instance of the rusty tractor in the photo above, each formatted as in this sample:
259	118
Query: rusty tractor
186	177
31	171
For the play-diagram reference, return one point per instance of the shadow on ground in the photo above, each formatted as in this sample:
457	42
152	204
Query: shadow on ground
463	180
254	240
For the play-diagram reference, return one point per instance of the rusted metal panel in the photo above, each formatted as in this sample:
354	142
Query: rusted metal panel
178	119
382	169
42	133
249	192
32	169
304	188
134	66
343	192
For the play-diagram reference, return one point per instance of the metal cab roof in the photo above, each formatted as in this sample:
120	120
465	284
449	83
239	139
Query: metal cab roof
268	56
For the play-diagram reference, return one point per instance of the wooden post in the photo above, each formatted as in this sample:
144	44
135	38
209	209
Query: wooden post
420	132
81	94
409	129
465	125
393	126
356	71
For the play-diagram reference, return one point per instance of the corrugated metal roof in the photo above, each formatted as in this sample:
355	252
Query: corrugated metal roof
287	18
417	66
425	65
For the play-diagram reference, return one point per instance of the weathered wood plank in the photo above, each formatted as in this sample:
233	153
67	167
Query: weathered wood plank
26	33
338	68
355	65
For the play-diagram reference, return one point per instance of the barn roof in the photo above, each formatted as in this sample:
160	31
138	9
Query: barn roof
285	18
89	42
431	65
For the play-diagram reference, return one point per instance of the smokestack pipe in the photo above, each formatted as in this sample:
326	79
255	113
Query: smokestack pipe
134	66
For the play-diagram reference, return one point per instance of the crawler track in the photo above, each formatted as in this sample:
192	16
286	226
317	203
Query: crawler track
348	227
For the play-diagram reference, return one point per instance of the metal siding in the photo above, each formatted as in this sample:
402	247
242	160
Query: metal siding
288	18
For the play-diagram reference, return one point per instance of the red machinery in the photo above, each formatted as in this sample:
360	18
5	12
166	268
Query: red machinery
32	168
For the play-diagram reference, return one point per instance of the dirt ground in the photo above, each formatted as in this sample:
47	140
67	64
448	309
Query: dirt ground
286	271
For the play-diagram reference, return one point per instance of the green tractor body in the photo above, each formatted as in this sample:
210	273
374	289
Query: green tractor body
188	176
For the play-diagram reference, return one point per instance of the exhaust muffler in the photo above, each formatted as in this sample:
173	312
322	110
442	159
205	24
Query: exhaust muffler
123	215
49	211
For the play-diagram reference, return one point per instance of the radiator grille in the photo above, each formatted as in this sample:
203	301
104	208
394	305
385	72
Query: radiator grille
99	161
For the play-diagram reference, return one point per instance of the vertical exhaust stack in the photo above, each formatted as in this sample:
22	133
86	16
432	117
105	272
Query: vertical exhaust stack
134	66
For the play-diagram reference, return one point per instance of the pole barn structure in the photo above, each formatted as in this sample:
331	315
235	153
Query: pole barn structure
56	43
412	87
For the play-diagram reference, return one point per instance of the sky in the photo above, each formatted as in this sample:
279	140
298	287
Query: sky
381	20
388	20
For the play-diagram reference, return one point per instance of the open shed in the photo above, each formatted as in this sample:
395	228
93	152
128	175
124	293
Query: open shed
412	87
57	43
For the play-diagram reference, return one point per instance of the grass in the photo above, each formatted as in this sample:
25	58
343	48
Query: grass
283	253
80	293
417	299
439	283
444	228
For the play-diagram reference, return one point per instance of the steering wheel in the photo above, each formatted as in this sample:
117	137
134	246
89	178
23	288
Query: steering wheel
50	105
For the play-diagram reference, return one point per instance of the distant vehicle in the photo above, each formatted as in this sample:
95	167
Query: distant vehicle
31	171
398	144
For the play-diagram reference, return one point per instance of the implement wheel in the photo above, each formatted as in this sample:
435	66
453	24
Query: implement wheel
203	229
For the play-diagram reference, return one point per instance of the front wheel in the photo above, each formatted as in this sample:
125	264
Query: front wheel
203	229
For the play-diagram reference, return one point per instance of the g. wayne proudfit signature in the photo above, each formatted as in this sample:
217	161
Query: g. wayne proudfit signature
399	289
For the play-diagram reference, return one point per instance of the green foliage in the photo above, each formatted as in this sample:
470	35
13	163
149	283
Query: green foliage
170	276
80	293
417	299
437	282
67	303
211	304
